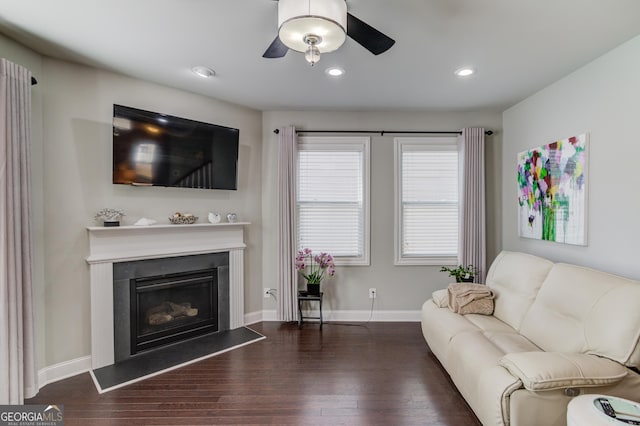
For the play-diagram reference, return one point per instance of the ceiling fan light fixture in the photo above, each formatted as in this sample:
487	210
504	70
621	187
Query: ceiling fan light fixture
325	19
312	54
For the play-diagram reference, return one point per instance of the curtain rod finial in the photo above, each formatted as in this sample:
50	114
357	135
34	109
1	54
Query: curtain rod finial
276	131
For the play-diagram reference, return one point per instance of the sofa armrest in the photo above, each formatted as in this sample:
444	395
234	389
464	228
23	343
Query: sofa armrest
554	370
440	298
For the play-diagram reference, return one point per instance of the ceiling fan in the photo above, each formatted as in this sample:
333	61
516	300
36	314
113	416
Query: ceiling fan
320	26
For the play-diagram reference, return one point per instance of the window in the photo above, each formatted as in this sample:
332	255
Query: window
426	228
333	197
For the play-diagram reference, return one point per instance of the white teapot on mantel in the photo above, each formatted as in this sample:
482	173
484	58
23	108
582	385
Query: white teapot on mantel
214	217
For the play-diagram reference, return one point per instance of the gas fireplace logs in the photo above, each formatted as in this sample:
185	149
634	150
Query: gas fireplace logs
169	311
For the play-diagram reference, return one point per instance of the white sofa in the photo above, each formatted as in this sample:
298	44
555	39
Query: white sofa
557	331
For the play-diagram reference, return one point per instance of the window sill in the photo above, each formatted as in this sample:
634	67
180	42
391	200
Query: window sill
425	261
352	261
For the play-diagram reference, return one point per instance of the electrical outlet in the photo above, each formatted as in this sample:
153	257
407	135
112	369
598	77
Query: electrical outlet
372	293
267	292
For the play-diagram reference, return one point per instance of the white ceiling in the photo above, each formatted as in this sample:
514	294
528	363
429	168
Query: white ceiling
517	46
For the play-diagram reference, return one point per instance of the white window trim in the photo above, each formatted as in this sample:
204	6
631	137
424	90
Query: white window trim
360	143
408	143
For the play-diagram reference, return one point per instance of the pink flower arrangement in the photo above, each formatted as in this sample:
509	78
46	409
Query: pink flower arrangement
318	265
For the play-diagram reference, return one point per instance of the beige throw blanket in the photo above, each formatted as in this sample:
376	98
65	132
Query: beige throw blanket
467	298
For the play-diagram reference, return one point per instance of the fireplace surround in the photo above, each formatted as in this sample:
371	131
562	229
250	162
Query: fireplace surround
109	247
166	300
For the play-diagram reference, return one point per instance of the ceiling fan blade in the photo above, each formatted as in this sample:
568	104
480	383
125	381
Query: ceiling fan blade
276	49
367	36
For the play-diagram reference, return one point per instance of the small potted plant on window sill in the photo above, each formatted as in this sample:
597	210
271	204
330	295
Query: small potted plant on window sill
463	274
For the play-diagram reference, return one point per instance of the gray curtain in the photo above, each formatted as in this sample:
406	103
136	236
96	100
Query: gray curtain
287	274
17	361
472	232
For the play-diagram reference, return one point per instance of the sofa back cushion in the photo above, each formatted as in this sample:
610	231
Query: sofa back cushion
586	311
515	279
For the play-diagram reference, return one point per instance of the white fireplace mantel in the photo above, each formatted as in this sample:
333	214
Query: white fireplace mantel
109	245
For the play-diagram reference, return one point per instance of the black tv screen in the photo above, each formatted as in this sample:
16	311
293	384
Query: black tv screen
152	149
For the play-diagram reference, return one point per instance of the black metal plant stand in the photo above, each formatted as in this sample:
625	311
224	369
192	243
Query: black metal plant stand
305	297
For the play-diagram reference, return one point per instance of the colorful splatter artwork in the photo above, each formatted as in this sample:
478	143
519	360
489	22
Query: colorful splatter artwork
552	193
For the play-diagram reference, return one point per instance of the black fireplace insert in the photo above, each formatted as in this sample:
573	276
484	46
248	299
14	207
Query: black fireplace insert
173	307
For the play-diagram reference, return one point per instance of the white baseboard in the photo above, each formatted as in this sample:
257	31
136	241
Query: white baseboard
63	370
360	316
270	315
253	317
380	316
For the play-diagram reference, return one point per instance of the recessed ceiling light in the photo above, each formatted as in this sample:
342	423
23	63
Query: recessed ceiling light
464	72
334	71
203	72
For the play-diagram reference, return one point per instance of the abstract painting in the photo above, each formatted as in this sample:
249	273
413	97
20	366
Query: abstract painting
552	192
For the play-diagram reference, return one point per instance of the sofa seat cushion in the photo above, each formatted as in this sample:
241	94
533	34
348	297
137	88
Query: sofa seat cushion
489	323
439	325
541	371
510	342
505	338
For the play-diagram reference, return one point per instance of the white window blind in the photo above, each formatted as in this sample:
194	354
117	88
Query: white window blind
427	201
332	199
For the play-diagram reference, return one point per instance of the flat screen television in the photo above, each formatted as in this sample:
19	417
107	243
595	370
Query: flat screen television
153	149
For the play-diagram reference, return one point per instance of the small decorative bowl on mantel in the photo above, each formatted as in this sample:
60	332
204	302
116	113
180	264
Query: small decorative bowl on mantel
183	219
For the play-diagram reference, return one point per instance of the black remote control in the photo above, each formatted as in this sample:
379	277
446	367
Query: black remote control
606	407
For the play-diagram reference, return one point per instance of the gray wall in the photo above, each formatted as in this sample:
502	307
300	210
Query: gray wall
400	288
602	99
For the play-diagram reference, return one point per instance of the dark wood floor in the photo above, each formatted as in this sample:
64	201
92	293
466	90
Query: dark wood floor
378	374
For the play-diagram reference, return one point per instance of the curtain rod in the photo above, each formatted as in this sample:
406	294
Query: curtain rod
34	81
382	132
